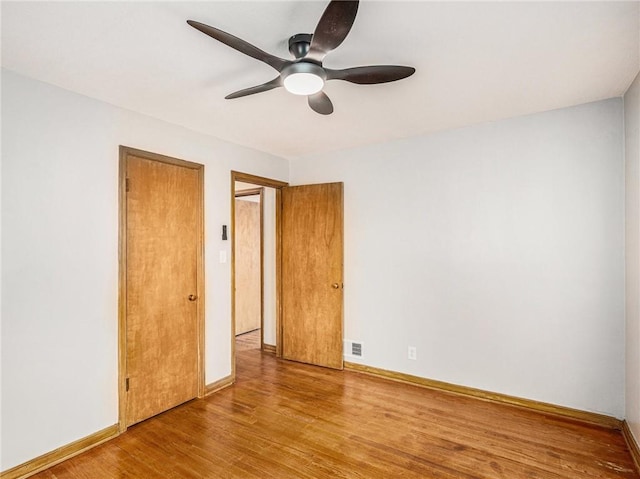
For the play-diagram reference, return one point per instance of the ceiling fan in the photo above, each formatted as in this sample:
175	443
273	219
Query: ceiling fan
305	75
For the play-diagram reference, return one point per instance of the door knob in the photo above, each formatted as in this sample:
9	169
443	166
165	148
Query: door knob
335	286
192	297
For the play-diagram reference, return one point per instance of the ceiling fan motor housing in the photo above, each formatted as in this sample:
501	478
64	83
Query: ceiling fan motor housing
299	44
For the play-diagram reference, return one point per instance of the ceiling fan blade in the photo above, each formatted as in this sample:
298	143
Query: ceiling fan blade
320	103
275	83
240	45
332	29
370	75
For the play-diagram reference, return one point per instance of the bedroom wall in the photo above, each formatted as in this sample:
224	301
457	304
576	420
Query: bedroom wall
496	250
60	257
269	245
632	177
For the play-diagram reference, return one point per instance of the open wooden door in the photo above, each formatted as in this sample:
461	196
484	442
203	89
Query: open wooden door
312	274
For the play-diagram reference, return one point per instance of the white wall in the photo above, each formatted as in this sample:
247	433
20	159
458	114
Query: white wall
269	245
60	257
496	250
632	178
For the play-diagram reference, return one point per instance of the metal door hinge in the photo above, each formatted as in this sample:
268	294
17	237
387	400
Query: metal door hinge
126	185
126	384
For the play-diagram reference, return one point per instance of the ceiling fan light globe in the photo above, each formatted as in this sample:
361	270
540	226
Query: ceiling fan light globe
303	78
303	83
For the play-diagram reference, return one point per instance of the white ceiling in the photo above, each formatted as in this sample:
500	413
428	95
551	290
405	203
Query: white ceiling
475	62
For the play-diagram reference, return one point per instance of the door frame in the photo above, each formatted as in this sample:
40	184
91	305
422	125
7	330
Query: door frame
259	181
239	194
125	152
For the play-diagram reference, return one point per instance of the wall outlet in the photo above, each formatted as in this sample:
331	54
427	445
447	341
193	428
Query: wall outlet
412	353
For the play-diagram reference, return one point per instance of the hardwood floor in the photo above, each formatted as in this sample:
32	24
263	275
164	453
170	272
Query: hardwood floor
246	341
289	420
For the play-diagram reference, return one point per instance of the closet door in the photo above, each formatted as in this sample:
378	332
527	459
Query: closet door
163	251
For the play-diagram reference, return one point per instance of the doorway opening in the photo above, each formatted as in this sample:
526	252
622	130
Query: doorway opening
302	307
254	234
250	268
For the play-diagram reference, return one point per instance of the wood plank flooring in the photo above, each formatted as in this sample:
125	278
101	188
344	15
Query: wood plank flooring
250	340
288	420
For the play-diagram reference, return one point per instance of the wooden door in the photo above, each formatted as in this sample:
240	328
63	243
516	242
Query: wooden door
248	270
163	252
312	288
